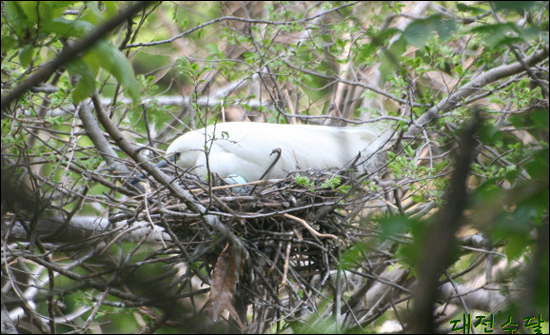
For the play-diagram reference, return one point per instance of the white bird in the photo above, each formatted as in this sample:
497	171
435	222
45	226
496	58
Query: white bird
245	149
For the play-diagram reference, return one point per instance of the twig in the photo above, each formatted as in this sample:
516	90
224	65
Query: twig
71	53
308	227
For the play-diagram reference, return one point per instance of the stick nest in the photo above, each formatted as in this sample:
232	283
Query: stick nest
291	228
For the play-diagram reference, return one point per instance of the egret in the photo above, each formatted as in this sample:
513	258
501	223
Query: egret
257	151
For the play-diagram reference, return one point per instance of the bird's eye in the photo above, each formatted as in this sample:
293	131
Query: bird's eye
177	157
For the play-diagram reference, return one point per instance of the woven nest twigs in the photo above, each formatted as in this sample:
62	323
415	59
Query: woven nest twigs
311	204
292	230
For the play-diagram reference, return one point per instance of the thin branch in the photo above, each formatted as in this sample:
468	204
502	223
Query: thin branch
472	87
240	19
71	53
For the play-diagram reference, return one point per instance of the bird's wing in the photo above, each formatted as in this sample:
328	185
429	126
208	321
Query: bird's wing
245	148
302	146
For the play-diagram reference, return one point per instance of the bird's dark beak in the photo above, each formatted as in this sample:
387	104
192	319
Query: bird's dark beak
162	164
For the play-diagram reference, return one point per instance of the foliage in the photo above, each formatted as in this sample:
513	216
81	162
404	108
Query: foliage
415	68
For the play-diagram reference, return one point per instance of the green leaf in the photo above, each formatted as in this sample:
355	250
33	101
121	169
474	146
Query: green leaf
540	119
418	32
68	28
537	167
390	62
393	225
213	49
25	55
504	41
516	223
512	173
489	134
418	198
8	43
17	18
85	87
506	34
110	9
344	189
471	9
92	14
516	244
445	29
29	8
114	61
519	6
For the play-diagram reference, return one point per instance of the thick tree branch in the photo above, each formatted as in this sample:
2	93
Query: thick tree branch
472	87
100	141
82	228
441	237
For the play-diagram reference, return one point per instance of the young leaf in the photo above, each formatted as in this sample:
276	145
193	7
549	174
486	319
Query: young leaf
85	87
118	65
25	55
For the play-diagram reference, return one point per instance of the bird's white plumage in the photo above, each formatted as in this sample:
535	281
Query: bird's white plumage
244	148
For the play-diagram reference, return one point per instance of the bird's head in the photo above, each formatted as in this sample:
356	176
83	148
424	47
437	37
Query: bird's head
183	152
